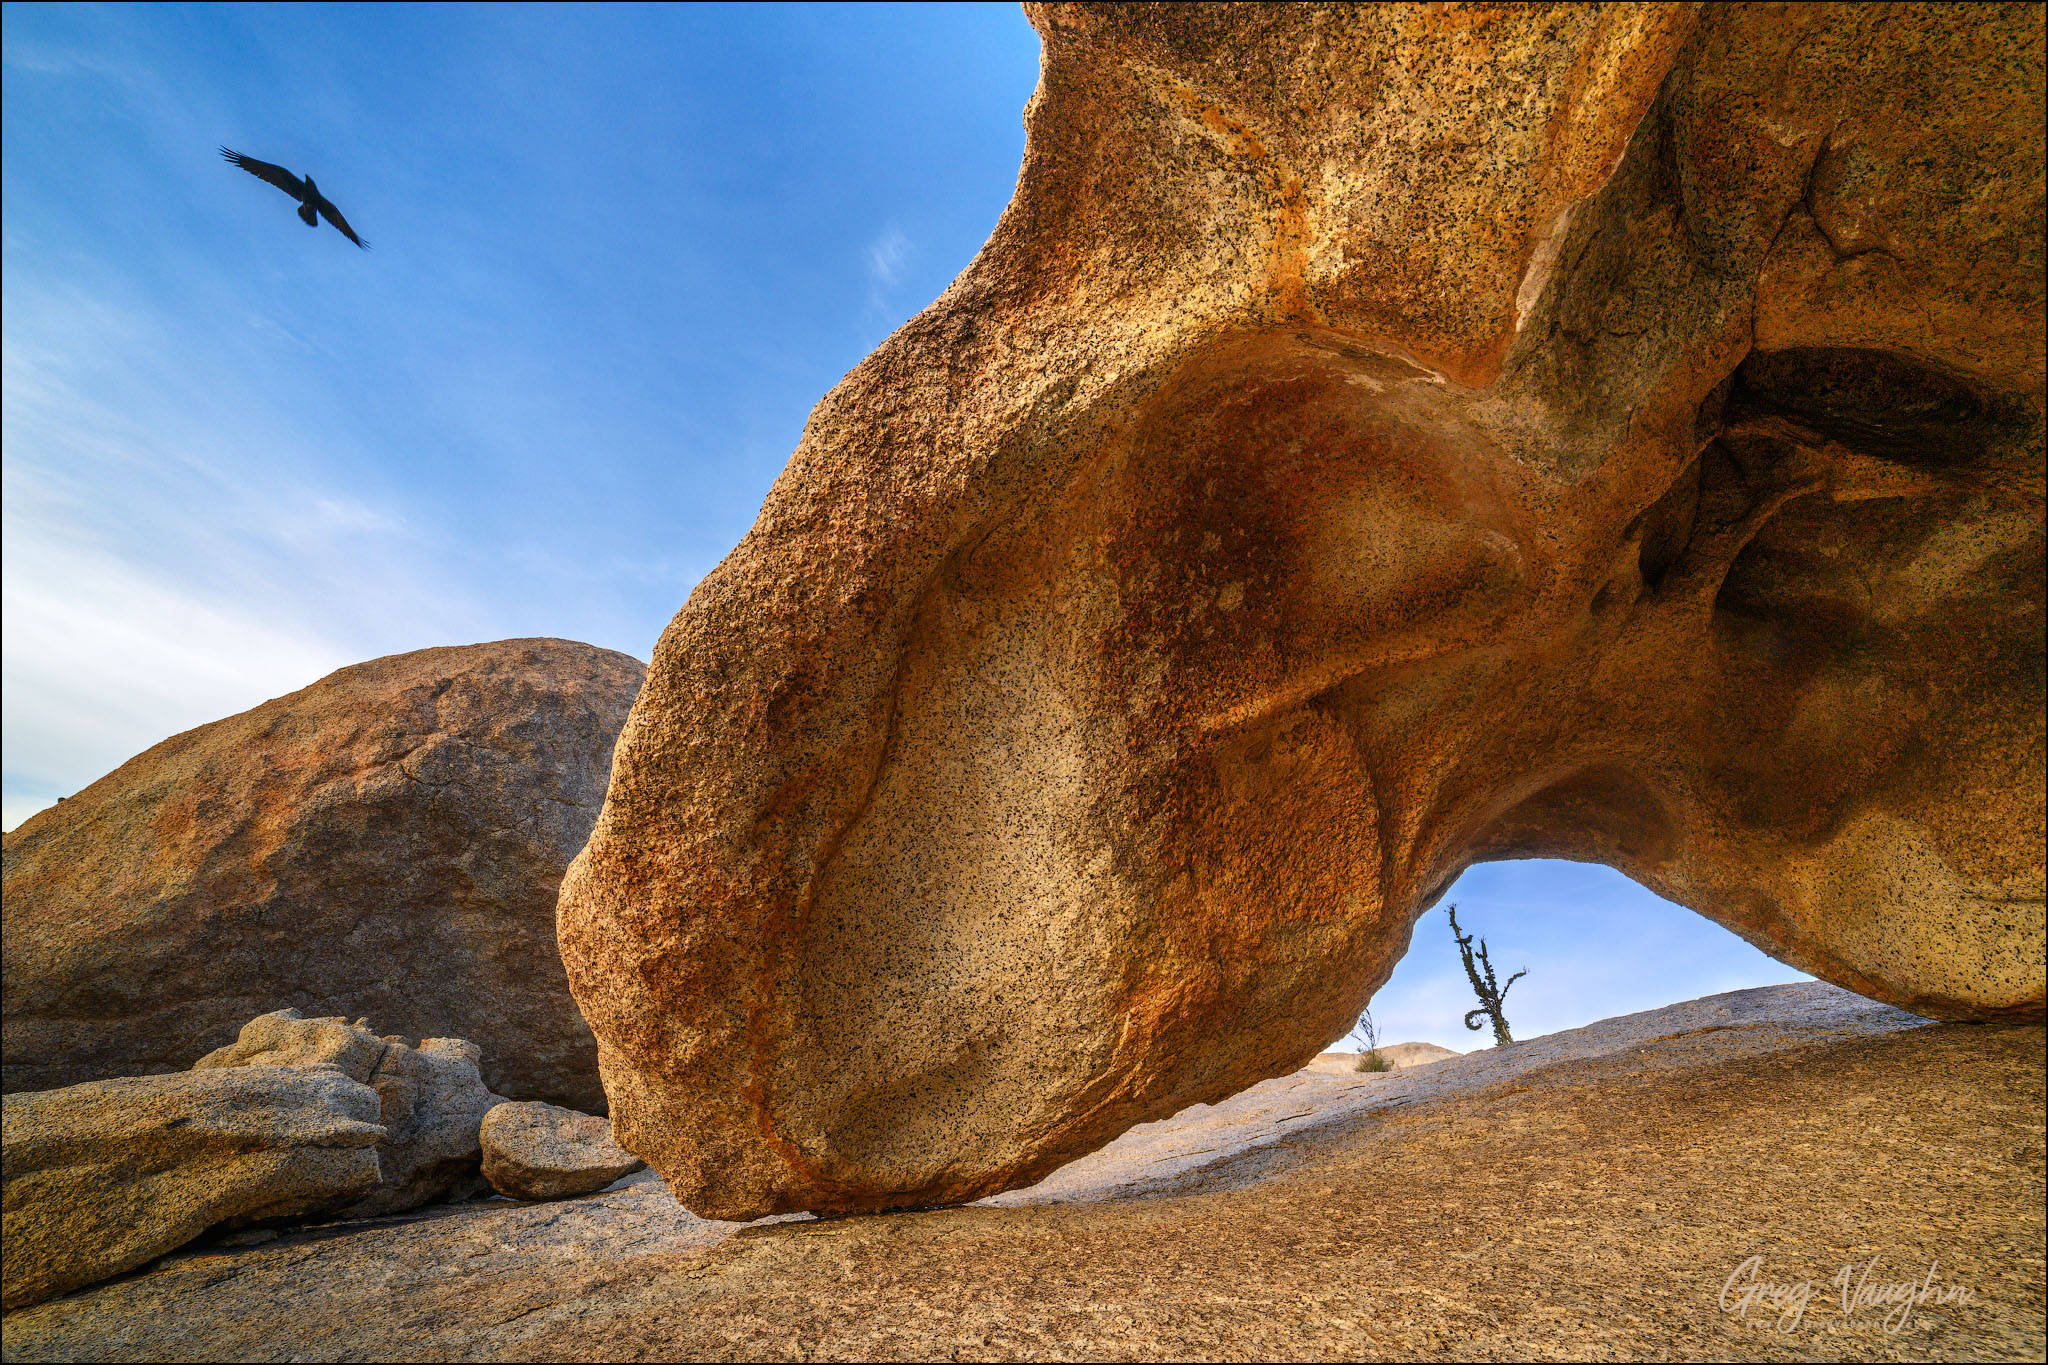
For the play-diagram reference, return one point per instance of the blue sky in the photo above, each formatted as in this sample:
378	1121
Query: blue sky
619	253
1596	945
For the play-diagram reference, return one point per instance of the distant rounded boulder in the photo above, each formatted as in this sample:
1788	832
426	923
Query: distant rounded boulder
1398	1057
386	842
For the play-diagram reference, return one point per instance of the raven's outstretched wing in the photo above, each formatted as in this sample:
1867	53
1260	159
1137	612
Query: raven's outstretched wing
263	170
333	215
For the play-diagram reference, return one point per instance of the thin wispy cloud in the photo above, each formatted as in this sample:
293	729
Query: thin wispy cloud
104	658
163	565
44	59
888	257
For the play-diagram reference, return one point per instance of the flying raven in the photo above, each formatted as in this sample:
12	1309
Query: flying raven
311	201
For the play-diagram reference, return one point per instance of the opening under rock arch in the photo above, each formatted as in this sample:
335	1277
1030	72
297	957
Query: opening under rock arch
1595	943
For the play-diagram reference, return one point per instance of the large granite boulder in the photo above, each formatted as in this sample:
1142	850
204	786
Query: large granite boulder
387	842
1375	439
431	1099
542	1151
102	1177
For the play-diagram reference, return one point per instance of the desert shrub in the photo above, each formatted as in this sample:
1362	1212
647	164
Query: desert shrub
1369	1058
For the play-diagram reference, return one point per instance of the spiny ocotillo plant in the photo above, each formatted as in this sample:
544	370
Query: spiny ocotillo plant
1490	995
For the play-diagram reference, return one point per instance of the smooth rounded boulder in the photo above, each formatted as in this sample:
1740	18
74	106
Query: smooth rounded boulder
542	1151
1375	439
387	842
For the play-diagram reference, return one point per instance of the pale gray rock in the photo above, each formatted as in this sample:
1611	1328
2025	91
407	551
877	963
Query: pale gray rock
542	1151
102	1177
432	1098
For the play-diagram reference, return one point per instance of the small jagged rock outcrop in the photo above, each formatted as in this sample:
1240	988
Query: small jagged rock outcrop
102	1177
431	1099
542	1151
1375	439
385	843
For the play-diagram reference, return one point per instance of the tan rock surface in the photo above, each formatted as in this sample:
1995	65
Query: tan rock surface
1417	1054
1584	1195
1399	1055
541	1151
385	843
101	1177
1375	439
431	1099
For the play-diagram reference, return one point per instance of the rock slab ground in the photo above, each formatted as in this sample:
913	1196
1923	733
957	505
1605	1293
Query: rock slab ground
1584	1195
101	1177
387	843
541	1151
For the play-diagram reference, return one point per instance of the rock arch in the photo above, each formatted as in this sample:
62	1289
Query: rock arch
1374	439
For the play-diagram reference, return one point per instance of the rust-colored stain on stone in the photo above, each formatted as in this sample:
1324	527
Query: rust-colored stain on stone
387	842
1375	439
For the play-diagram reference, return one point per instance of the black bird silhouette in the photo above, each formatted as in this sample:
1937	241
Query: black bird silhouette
311	201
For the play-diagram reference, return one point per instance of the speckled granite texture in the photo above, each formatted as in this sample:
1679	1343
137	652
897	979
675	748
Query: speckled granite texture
1376	438
385	843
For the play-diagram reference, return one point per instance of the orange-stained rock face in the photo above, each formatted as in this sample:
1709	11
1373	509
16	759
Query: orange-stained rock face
1375	439
387	842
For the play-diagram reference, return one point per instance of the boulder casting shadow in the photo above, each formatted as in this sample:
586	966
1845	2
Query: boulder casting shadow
1373	441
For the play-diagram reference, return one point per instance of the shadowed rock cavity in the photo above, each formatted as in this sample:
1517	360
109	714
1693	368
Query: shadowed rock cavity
1374	440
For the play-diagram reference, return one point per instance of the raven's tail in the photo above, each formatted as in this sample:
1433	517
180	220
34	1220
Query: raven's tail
308	216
